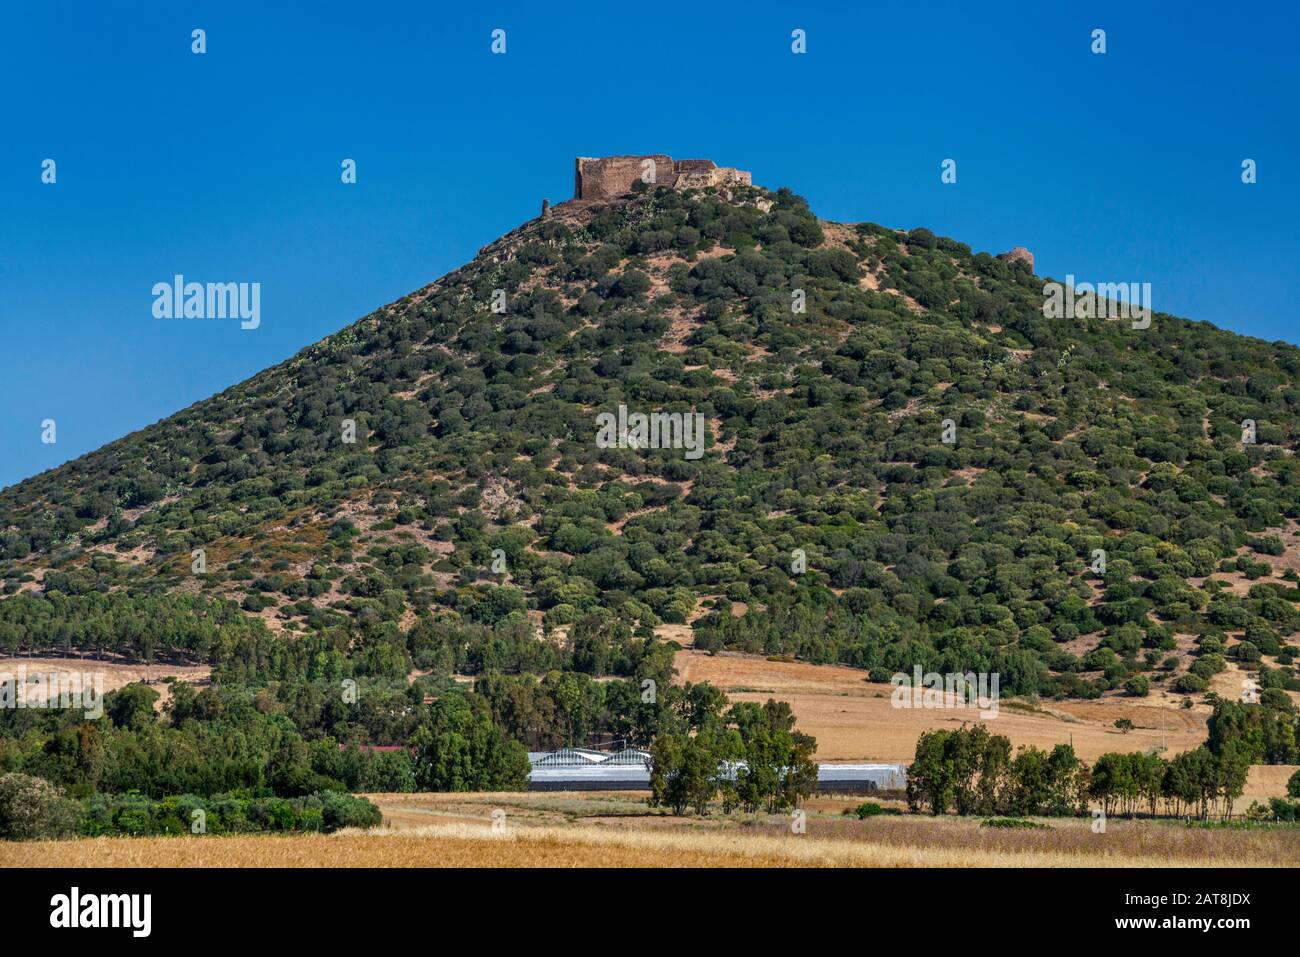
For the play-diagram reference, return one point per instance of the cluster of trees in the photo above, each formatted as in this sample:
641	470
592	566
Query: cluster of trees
580	701
460	749
1196	782
277	718
749	756
568	708
242	649
288	739
294	718
1264	733
972	771
139	626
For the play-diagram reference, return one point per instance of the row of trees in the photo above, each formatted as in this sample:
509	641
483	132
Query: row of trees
31	808
1194	783
972	771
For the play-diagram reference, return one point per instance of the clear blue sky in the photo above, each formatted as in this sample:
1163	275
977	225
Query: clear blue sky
225	166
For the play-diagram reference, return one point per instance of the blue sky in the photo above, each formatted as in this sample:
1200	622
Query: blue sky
225	166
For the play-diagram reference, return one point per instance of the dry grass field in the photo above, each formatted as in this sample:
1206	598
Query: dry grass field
117	672
618	830
853	719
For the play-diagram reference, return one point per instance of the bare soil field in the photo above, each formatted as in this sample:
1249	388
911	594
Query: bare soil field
853	719
619	830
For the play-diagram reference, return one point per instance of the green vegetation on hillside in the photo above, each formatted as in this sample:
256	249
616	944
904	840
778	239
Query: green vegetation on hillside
477	443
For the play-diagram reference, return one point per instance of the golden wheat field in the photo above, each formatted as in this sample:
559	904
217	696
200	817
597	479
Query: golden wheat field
619	830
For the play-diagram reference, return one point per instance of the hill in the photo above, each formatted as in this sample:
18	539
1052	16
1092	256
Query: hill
902	460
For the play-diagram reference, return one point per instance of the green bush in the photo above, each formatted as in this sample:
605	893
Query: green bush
346	810
1014	823
33	809
1139	686
1283	810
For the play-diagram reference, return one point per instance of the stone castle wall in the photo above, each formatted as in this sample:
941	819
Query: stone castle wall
608	177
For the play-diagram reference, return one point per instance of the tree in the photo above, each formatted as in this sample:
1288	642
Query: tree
1233	768
460	749
1191	780
698	779
779	768
131	707
1293	785
1067	781
752	756
667	761
1031	788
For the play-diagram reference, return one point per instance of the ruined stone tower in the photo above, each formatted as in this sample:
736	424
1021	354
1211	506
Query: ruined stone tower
1018	255
608	177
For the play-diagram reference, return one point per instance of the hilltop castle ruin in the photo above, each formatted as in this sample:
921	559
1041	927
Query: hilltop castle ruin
609	177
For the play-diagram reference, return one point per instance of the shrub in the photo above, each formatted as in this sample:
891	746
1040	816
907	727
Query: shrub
1281	810
1014	823
1138	686
347	810
1245	651
33	809
1207	665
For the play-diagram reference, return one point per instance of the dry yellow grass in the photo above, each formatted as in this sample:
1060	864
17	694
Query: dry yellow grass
888	843
396	849
853	719
1263	782
930	841
118	673
618	830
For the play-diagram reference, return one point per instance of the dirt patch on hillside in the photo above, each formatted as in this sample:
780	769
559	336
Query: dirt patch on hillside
116	674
